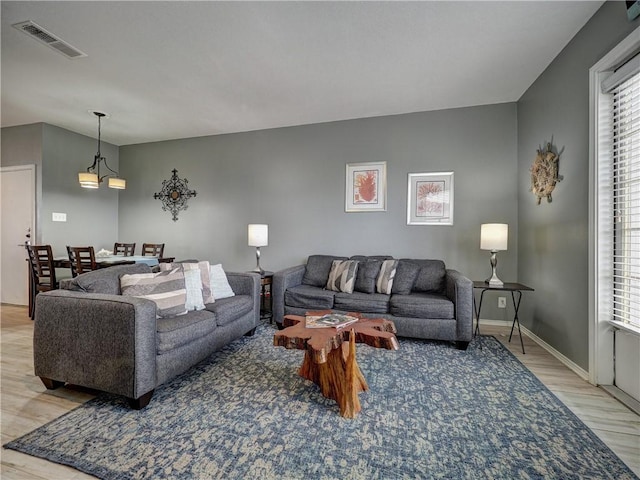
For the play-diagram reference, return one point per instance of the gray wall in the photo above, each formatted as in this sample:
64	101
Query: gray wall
553	237
293	179
23	146
92	215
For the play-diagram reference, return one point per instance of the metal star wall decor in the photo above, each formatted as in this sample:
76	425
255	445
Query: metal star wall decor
174	194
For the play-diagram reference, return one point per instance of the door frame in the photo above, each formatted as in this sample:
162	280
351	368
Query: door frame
33	194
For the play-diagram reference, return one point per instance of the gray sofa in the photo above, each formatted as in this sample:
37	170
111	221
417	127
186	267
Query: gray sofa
427	300
92	336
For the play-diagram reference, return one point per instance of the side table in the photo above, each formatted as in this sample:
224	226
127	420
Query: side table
507	287
266	279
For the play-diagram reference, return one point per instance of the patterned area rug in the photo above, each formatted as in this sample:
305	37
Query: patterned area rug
431	412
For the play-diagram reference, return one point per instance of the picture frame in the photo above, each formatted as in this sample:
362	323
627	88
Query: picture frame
366	187
430	199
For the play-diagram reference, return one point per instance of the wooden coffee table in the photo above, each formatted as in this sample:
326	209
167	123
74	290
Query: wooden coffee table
330	355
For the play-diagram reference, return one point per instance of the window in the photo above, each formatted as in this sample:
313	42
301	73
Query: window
626	201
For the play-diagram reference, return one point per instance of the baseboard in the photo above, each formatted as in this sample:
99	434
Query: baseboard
582	373
622	397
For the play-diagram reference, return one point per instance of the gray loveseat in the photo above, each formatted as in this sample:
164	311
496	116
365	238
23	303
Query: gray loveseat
92	336
426	301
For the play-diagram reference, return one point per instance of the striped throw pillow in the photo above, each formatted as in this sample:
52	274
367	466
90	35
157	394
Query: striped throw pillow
167	289
203	267
342	276
384	283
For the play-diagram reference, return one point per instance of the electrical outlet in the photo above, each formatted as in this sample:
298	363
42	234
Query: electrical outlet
58	217
502	302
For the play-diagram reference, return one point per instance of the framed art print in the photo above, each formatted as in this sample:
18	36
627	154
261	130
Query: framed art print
366	188
430	199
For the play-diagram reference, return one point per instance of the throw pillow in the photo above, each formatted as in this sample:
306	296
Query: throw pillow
367	274
203	267
219	283
193	284
384	283
406	274
167	289
342	276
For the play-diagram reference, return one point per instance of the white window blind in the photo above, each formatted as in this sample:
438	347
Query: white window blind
626	201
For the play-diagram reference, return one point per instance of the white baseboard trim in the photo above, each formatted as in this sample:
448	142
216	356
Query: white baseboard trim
582	373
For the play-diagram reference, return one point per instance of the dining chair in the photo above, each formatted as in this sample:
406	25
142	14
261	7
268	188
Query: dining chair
42	272
82	259
153	249
126	249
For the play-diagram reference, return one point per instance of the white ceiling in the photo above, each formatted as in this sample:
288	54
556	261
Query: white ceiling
166	70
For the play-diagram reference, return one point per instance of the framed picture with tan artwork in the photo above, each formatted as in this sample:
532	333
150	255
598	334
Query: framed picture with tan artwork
430	199
366	188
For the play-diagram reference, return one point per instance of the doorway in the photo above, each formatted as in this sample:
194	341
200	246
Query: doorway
18	210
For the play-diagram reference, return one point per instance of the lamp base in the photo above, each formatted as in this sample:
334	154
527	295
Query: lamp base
258	268
494	281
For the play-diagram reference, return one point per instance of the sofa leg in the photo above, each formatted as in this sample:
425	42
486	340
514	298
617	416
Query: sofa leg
250	332
461	345
51	384
140	403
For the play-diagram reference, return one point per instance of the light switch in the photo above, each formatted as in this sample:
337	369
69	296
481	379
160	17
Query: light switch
59	217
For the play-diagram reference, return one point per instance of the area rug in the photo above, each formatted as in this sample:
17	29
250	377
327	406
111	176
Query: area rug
431	412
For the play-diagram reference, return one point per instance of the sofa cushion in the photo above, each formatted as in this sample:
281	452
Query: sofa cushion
178	331
421	305
384	282
317	269
342	276
306	296
431	278
230	309
105	280
166	289
406	275
368	270
362	302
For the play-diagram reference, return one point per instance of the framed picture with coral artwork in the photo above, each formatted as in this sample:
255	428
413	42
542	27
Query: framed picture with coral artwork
366	189
430	199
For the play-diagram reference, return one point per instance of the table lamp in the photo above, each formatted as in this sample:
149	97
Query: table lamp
258	237
494	237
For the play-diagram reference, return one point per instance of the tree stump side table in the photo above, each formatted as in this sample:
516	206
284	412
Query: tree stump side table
330	355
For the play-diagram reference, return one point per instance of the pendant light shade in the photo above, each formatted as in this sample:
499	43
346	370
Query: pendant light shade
118	183
88	180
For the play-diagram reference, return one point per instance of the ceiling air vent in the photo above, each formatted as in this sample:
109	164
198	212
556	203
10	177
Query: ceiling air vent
40	34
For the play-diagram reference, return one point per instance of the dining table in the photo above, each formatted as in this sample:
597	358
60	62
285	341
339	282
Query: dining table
110	261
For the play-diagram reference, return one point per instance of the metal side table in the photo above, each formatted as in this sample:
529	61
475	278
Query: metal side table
507	287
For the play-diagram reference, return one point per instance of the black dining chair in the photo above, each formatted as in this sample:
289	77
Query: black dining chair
43	273
126	249
82	259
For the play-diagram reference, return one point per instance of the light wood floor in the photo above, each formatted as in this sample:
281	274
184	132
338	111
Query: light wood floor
26	405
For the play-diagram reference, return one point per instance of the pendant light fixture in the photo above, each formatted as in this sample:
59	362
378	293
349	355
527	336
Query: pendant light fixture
91	178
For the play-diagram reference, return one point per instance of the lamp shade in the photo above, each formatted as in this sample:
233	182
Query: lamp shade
494	236
88	180
119	183
258	235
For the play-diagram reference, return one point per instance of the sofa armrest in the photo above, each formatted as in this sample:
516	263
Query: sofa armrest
459	289
247	283
283	279
106	342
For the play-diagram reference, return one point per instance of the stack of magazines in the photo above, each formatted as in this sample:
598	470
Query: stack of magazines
329	320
